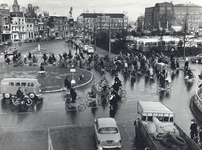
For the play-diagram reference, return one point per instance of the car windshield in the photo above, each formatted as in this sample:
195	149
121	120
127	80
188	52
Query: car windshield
108	130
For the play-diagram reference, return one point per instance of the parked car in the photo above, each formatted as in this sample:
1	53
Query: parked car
8	42
90	50
196	59
85	48
197	40
11	51
107	133
29	40
58	38
191	43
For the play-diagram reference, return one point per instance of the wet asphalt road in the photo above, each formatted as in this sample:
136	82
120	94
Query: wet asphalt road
48	125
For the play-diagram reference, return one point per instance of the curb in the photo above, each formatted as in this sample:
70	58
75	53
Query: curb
60	90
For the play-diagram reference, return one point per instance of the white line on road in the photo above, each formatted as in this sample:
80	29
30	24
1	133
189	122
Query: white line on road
3	113
49	111
24	113
50	146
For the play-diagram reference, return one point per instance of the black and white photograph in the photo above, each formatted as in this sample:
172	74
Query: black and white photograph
100	75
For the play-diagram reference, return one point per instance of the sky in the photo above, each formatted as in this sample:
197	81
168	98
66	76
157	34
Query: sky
132	8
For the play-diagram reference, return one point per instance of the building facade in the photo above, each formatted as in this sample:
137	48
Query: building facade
167	16
5	23
97	22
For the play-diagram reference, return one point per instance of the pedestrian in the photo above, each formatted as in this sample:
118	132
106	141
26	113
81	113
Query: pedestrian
193	129
67	83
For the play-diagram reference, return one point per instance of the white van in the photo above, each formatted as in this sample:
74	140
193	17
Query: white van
9	87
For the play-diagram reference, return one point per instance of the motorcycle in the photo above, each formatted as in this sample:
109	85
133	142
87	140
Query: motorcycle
22	103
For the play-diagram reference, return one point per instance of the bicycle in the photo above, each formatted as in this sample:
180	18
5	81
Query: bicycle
74	106
66	94
167	85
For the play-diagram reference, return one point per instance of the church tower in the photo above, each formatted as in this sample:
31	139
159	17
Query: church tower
16	7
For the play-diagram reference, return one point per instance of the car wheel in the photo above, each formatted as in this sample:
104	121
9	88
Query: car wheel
32	95
7	101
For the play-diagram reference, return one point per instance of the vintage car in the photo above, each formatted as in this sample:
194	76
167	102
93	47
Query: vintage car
107	133
85	48
11	51
196	59
90	50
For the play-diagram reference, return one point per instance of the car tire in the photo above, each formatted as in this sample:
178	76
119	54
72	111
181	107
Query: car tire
32	95
7	101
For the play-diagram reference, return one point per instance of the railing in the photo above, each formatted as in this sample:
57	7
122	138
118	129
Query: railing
198	100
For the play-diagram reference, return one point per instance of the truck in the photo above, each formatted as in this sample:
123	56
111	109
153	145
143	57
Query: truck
155	127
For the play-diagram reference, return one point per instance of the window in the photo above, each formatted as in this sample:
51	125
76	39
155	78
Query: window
30	84
23	84
17	84
108	130
11	83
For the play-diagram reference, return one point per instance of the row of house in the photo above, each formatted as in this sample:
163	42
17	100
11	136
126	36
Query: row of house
19	26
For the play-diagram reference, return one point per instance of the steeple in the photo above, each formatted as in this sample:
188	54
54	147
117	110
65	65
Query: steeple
15	2
16	7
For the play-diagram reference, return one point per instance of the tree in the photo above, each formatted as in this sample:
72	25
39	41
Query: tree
50	22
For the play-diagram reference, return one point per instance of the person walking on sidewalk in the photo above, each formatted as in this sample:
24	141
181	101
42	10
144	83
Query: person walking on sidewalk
67	83
193	129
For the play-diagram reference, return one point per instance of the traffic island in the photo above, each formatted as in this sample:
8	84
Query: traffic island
53	79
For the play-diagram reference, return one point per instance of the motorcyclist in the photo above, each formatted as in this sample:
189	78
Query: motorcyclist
19	93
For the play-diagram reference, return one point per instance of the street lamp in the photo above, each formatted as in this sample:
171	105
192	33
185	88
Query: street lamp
73	70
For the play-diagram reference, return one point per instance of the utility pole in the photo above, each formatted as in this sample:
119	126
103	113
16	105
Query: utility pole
109	36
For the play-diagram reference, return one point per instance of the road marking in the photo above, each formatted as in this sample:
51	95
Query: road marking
50	145
3	113
49	111
24	113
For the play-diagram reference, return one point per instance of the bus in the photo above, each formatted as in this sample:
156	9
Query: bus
146	44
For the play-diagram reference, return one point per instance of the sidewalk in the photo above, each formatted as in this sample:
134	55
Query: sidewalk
54	78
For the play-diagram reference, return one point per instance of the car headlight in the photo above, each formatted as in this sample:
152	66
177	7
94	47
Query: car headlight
116	141
7	95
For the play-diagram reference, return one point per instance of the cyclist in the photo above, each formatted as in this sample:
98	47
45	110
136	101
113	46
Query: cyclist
67	83
94	90
117	84
190	74
41	67
186	65
73	94
162	79
104	82
113	101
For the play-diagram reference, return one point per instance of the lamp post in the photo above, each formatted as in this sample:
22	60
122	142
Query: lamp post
73	70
